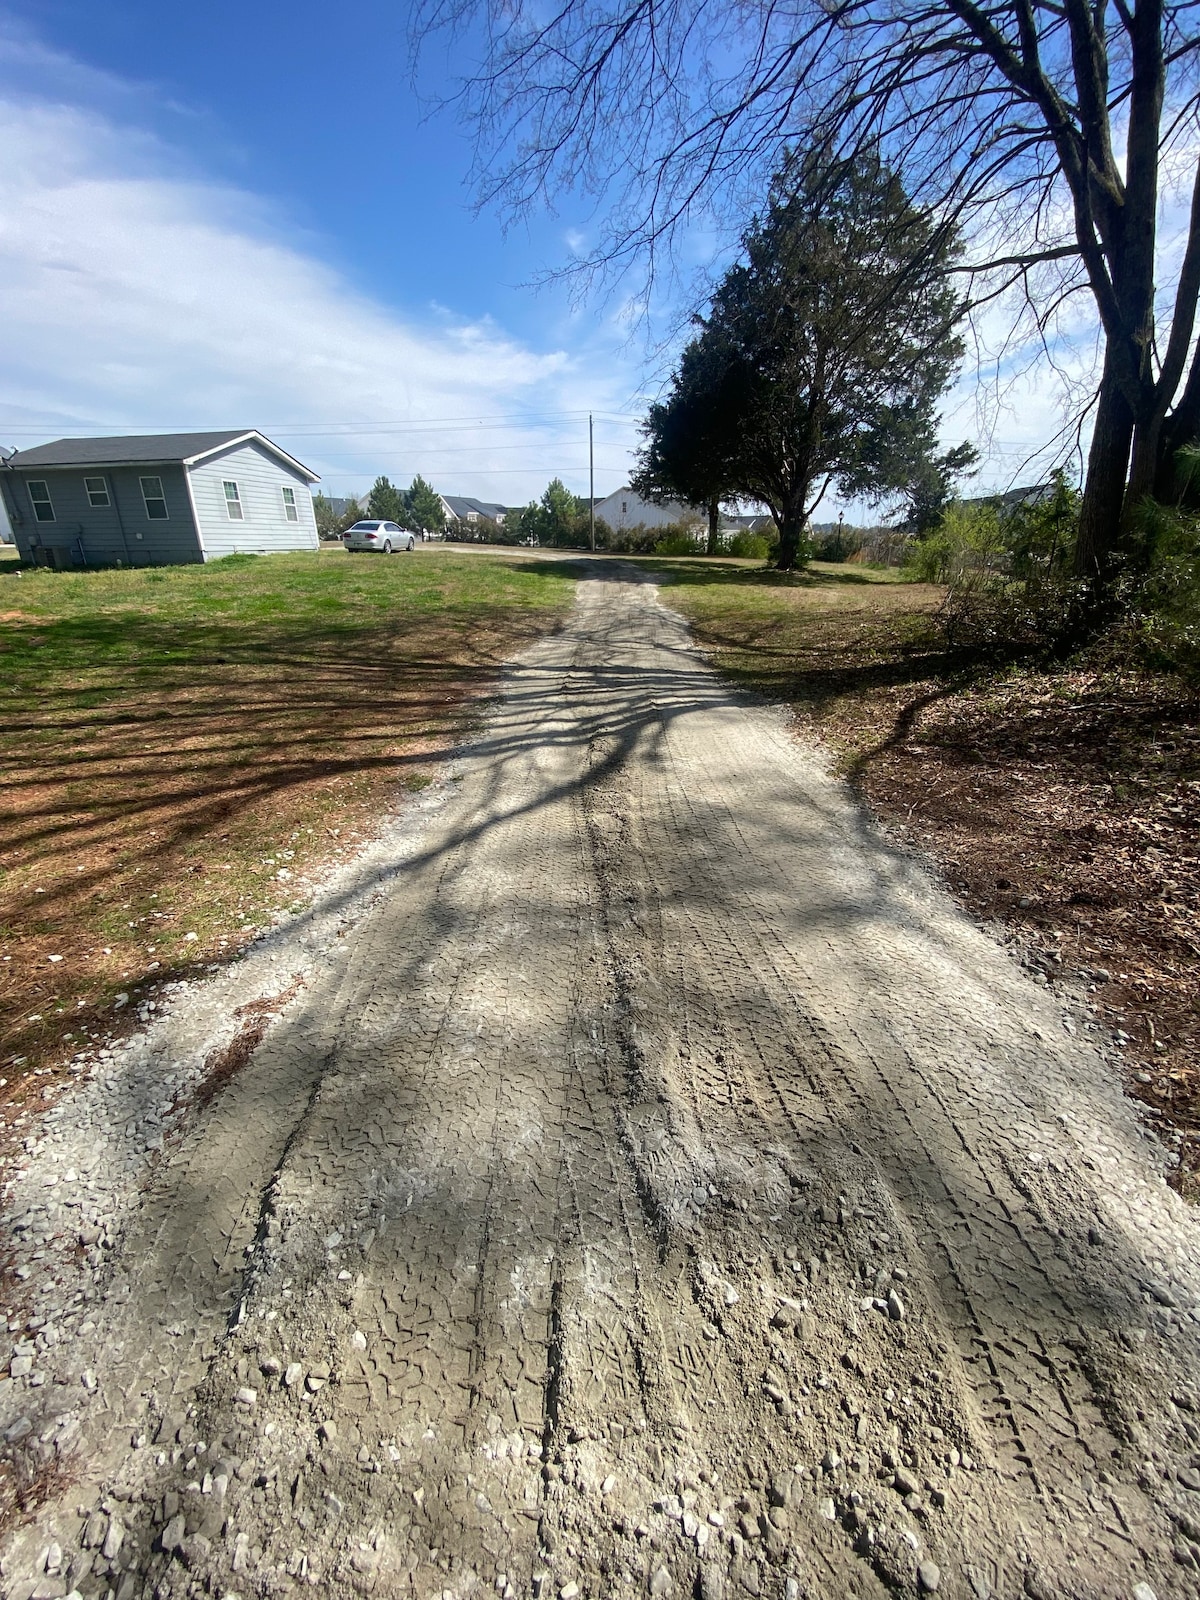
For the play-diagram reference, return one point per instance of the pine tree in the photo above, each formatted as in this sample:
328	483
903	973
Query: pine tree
424	506
386	502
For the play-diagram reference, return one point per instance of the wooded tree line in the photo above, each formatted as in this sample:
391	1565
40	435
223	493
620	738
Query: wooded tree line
1043	142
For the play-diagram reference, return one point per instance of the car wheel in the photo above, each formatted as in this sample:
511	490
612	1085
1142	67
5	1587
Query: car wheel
412	544
387	547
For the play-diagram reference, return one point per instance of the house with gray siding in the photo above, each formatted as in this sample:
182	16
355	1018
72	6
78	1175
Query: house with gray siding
153	500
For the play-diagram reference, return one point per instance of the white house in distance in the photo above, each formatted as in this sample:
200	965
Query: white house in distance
157	499
624	509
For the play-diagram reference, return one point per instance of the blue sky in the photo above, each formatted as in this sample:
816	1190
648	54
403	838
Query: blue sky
189	185
240	215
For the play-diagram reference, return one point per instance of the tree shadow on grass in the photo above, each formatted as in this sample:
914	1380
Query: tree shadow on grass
708	572
140	753
699	571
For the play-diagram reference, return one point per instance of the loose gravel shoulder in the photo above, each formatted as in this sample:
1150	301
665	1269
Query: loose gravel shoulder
634	1176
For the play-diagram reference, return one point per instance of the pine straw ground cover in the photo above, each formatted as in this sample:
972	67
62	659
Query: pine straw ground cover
178	745
1063	806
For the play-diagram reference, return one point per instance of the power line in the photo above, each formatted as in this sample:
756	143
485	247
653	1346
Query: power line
336	429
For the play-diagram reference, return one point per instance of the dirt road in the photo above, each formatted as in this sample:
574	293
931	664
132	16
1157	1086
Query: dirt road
661	1189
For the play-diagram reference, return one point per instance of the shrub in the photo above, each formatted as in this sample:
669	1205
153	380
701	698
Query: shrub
1159	603
678	539
966	550
750	545
1009	589
840	544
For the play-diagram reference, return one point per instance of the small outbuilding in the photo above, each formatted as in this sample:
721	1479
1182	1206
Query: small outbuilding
159	499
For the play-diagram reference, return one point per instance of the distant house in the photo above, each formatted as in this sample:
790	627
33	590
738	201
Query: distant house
625	509
748	522
157	499
462	508
1009	500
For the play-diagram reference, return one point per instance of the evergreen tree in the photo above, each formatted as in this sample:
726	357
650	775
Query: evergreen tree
328	522
386	502
559	514
691	437
528	522
424	506
829	346
352	514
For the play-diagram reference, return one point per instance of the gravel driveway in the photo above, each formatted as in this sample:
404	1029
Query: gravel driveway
647	1182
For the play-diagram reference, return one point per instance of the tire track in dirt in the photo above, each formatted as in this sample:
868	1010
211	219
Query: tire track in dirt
668	1193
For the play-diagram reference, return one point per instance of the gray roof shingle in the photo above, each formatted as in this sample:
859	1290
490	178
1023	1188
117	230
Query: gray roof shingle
131	448
461	504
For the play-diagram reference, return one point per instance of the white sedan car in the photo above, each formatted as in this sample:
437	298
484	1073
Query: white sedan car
385	536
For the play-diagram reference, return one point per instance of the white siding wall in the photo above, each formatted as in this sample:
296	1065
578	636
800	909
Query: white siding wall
643	512
261	478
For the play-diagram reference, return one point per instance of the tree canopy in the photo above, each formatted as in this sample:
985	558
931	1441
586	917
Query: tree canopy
386	502
352	514
557	518
424	506
559	514
327	520
825	350
1050	133
690	438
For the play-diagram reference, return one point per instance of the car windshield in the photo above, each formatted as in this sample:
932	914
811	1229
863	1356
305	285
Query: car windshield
365	527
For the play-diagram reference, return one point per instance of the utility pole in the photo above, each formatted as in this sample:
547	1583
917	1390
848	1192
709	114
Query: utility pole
591	487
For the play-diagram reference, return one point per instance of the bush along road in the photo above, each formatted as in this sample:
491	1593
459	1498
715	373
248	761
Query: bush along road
638	1178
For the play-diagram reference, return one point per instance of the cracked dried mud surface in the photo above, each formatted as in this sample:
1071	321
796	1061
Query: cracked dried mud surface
660	1189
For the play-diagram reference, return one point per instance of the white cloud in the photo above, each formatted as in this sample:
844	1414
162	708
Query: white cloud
140	297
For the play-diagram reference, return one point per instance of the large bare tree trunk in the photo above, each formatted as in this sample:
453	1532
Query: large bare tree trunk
1143	471
1104	486
714	526
1180	429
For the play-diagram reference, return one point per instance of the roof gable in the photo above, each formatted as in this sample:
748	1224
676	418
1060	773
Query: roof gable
142	448
461	504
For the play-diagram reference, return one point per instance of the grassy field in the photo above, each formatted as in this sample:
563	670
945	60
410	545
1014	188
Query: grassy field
1062	805
843	643
179	744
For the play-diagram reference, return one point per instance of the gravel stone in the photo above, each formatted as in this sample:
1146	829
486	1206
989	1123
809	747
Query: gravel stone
634	932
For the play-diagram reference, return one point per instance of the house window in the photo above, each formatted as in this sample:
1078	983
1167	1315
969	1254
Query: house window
233	502
97	491
624	507
155	499
289	504
39	493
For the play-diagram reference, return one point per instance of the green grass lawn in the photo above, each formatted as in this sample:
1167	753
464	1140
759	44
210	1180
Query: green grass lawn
174	739
843	643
